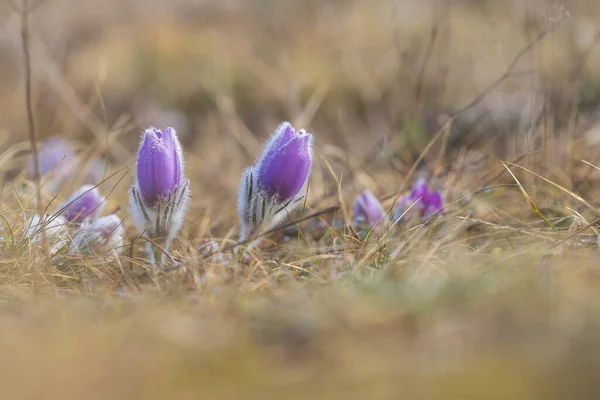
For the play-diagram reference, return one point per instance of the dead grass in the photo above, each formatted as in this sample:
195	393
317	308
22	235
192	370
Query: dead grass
487	300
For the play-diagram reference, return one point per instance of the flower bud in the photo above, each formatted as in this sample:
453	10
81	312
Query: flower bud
271	189
54	227
100	237
159	165
421	201
84	203
285	164
367	209
160	194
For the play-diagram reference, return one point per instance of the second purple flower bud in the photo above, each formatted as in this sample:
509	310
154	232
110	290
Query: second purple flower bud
273	187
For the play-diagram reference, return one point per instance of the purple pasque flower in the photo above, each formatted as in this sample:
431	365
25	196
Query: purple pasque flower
56	160
421	201
160	193
159	165
54	152
273	187
102	236
420	191
85	203
367	209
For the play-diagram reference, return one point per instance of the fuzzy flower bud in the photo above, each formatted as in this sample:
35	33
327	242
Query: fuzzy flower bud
54	227
84	203
160	194
159	165
285	164
275	185
100	237
367	209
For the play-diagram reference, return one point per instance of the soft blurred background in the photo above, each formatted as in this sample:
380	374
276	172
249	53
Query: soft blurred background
499	308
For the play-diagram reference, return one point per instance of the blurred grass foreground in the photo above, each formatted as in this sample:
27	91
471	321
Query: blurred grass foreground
497	297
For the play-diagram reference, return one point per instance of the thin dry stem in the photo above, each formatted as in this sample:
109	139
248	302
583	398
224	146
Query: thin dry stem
25	37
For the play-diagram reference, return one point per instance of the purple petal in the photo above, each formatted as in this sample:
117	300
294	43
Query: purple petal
169	137
86	202
159	165
367	208
284	133
420	191
285	165
433	204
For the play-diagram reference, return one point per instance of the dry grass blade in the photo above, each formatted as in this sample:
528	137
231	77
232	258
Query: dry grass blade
338	181
443	130
579	231
529	200
591	165
556	185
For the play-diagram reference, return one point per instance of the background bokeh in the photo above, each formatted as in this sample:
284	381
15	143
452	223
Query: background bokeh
374	80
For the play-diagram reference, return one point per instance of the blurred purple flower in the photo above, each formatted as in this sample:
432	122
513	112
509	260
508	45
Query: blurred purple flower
421	201
433	204
274	186
368	209
419	191
57	160
54	152
160	194
100	237
85	203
